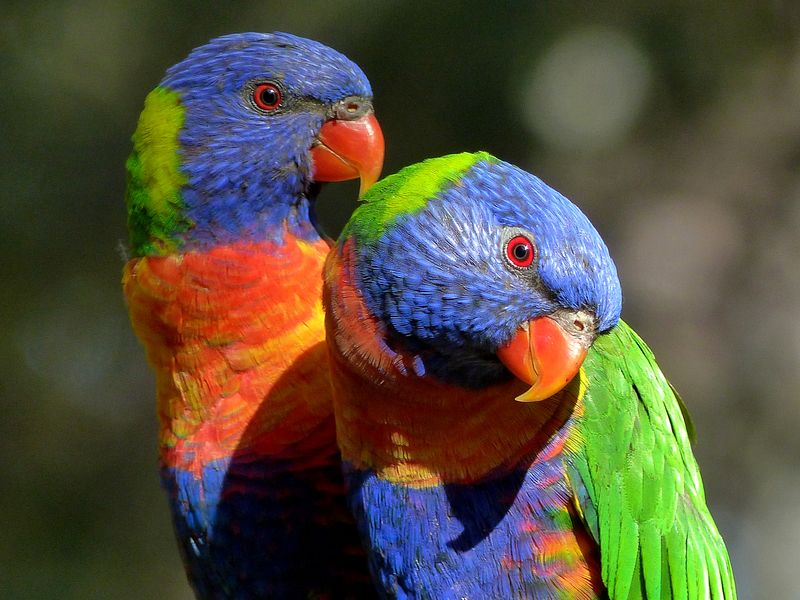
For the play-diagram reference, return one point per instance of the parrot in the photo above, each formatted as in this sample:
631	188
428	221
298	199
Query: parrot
224	287
504	434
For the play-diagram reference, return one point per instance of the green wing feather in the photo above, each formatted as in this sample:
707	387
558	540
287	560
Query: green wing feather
636	482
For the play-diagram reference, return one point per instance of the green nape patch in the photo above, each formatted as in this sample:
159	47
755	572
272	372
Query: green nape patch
407	192
155	206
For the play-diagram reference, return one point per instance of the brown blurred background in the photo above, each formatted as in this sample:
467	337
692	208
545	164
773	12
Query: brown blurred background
676	128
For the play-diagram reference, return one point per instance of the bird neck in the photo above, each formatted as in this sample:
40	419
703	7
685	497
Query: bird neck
247	207
424	434
253	207
411	427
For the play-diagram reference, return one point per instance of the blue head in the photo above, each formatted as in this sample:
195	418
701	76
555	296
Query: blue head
456	254
246	112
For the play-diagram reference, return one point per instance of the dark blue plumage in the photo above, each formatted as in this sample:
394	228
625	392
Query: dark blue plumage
490	539
241	512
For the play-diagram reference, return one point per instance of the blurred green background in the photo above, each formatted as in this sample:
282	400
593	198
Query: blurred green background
675	127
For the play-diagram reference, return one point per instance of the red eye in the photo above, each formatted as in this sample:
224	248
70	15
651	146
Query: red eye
519	251
267	96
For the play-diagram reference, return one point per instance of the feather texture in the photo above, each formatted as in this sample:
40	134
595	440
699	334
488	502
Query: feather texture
247	437
637	482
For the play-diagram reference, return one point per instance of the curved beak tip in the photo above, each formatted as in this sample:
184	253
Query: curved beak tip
544	355
349	149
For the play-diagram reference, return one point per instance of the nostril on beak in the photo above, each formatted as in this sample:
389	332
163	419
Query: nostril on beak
581	322
352	108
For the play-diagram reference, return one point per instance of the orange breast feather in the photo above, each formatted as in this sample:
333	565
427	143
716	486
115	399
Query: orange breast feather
236	338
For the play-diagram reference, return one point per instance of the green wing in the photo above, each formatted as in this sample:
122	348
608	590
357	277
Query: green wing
636	482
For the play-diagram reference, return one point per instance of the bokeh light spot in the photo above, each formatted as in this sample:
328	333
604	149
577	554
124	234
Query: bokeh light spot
588	90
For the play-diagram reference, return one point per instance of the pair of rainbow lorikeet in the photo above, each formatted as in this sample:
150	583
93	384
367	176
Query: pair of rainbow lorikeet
459	413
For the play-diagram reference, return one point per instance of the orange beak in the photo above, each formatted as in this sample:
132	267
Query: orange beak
349	149
543	354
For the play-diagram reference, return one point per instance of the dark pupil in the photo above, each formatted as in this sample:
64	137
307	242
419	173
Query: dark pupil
269	97
520	251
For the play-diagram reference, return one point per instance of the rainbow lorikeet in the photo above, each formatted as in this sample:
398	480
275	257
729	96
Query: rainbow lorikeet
459	281
224	292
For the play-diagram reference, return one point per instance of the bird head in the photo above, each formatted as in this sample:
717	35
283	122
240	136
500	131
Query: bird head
231	141
480	269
